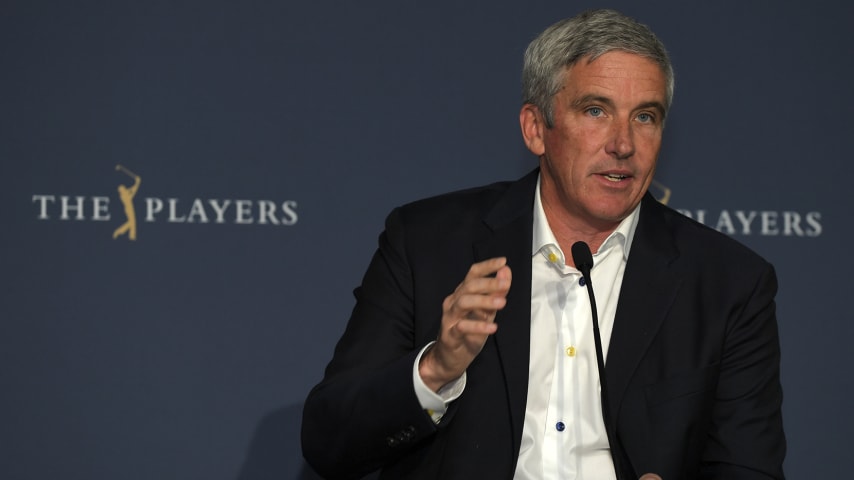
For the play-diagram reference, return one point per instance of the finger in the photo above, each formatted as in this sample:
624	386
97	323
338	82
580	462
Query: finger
486	267
484	285
504	272
504	276
480	298
473	302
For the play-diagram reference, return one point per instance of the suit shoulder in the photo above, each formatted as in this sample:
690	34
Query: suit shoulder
696	239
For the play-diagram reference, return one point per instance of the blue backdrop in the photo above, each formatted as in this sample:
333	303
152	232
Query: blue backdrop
270	139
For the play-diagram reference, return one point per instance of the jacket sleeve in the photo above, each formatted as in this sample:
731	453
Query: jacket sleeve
364	413
746	439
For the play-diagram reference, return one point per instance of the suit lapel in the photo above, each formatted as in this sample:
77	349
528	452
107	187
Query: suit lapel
649	287
509	226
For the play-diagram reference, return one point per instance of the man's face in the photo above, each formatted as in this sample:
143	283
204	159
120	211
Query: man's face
598	159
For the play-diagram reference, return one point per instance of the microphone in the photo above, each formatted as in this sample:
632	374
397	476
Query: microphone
583	260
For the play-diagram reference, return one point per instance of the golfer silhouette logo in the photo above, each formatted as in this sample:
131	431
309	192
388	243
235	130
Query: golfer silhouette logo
126	195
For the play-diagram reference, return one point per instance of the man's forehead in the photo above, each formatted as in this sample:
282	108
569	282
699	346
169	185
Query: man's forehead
621	67
619	60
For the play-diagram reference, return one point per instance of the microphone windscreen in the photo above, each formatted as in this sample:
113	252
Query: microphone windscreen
582	257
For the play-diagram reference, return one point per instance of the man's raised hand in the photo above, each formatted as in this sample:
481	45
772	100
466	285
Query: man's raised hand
468	318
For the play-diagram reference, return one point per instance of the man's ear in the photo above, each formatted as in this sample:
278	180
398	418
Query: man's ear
533	125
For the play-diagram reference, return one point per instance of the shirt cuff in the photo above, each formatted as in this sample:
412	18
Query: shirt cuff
436	403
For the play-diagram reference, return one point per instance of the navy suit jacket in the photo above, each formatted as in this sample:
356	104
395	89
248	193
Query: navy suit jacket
692	369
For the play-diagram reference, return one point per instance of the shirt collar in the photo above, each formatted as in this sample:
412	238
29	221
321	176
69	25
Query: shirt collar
544	241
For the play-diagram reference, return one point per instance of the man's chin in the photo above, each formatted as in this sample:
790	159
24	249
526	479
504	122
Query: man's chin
614	213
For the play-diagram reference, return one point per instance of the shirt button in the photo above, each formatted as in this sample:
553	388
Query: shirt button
560	426
570	351
581	281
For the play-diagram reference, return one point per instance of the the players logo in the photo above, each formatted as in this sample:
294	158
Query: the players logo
162	209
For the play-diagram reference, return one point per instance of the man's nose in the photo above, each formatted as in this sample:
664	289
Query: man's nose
621	144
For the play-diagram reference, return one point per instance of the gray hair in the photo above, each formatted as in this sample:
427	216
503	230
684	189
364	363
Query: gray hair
588	35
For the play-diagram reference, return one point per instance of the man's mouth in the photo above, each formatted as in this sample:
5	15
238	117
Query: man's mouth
614	177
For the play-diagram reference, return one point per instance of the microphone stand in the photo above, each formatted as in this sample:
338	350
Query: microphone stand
584	262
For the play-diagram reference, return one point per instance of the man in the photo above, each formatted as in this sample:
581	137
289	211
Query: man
470	351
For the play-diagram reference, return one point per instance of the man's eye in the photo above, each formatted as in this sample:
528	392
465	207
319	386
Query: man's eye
645	118
595	111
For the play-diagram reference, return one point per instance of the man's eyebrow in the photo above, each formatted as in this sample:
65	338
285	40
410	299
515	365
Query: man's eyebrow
654	105
590	98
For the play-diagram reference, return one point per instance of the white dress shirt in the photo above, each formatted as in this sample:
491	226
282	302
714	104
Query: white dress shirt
563	435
